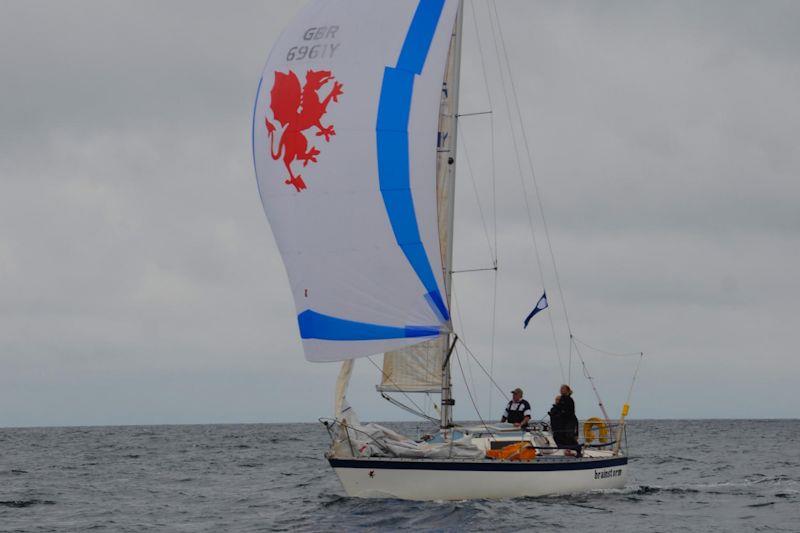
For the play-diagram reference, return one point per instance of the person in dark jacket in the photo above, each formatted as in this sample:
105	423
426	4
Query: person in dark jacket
563	420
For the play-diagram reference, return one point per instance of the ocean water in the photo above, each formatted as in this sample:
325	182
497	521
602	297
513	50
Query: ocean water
708	475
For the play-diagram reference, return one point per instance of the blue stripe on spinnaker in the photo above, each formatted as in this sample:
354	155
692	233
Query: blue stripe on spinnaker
315	325
434	300
391	128
419	36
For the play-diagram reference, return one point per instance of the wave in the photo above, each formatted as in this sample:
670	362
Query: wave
24	503
725	487
12	472
765	504
661	459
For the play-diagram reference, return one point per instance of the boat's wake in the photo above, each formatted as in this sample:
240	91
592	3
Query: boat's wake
786	485
24	503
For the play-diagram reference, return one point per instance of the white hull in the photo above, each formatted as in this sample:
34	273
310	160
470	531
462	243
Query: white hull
412	479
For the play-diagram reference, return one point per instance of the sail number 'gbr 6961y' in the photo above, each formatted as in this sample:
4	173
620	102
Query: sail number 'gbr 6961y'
317	50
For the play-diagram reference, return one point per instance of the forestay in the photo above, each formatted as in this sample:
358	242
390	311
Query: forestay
344	145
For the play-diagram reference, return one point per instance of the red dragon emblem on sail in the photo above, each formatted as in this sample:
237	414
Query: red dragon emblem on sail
298	109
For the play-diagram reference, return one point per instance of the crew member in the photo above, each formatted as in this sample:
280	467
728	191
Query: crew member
518	410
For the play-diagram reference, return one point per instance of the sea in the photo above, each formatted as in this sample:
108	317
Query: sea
698	475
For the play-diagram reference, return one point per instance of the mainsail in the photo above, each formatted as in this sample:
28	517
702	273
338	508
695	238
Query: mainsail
344	144
418	368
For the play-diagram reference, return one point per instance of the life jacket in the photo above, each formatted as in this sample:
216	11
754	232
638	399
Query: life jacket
517	415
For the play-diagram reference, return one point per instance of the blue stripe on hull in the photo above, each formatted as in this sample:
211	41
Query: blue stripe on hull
478	466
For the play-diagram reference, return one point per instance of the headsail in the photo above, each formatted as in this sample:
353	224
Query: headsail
415	368
344	145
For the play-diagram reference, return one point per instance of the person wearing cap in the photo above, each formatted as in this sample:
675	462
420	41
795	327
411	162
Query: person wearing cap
518	410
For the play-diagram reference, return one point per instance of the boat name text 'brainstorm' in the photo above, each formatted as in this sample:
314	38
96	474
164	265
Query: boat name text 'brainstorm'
611	472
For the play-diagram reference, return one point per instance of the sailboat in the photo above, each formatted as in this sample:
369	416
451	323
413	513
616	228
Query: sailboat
354	145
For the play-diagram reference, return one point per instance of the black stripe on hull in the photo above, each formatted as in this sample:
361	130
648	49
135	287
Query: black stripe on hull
482	466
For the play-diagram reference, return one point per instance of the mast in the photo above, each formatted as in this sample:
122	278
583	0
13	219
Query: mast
450	123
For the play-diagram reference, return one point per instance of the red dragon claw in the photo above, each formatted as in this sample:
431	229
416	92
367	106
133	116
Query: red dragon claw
270	127
327	132
298	183
310	156
337	90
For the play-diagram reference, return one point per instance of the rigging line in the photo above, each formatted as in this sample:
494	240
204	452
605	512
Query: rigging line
521	177
635	375
469	393
569	367
457	308
494	195
473	114
615	354
494	329
589	377
533	173
465	270
491	120
409	398
480	52
463	140
482	368
406	408
461	323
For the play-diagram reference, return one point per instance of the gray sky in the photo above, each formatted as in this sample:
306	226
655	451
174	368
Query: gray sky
140	282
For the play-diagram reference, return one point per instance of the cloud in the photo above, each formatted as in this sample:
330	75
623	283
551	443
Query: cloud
140	282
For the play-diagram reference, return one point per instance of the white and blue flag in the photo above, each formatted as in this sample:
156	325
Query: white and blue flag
540	305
